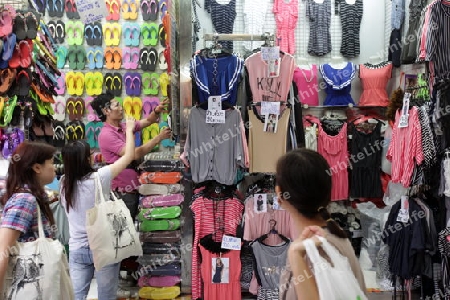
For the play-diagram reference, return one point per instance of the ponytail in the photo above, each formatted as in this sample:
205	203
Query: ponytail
332	226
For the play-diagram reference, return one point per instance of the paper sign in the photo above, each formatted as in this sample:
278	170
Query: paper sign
403	214
270	53
270	108
405	112
91	10
215	116
231	243
214	103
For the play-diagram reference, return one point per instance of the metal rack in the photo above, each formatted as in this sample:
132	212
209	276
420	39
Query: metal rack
267	37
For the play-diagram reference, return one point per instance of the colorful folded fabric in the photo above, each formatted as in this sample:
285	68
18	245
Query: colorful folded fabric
159	201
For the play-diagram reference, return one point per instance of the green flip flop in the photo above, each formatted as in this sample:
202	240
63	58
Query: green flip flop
159	225
154	89
170	212
72	57
146	84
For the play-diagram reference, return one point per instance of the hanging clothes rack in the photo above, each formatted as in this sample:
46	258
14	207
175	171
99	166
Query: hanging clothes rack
267	37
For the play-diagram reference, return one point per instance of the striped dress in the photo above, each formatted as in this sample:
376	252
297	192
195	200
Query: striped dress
223	16
319	16
351	15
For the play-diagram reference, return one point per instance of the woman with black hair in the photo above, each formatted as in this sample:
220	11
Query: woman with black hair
303	187
30	169
78	196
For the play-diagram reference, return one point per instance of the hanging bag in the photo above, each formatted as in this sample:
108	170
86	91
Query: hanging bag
111	233
335	281
38	270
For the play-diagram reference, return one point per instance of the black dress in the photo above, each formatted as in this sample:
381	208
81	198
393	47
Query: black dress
217	276
351	15
365	160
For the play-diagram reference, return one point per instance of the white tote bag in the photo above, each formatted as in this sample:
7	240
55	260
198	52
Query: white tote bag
336	281
38	270
111	233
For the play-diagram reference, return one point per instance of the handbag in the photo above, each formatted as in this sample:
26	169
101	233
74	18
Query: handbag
334	281
38	270
111	233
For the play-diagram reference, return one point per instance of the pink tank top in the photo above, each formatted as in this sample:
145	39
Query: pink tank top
374	83
306	81
334	149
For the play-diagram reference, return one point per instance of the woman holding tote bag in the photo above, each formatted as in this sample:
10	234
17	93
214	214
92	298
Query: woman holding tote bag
78	190
32	264
303	187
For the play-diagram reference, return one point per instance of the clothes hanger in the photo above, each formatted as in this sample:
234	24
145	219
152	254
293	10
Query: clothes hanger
272	223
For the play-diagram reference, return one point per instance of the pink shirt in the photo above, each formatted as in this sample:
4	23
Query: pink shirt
374	83
264	88
405	148
306	81
111	141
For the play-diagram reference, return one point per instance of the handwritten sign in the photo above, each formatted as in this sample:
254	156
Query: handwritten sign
404	117
91	10
215	116
270	53
231	243
270	108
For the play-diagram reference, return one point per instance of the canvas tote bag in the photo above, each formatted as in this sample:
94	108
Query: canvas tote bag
111	233
336	281
38	270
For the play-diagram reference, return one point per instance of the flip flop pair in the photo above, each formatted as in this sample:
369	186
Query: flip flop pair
113	83
76	55
75	108
93	34
130	9
130	58
59	107
75	83
148	58
113	9
75	130
150	83
150	33
26	24
149	133
92	132
150	9
93	82
57	31
113	58
112	34
148	105
133	83
131	34
95	57
74	33
7	15
55	8
132	107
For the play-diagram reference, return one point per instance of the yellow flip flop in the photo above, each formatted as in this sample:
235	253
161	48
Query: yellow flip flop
79	83
70	83
128	106
164	81
137	108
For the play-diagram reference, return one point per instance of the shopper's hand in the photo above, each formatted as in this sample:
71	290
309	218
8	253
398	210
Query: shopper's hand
130	124
165	133
164	106
310	232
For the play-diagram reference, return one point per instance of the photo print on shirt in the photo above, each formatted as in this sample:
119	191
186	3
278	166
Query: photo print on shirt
271	123
260	203
220	270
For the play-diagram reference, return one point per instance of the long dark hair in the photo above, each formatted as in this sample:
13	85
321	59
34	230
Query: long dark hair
77	165
304	179
22	178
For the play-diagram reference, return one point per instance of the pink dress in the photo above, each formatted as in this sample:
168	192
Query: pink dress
306	81
286	16
204	224
232	274
374	83
334	149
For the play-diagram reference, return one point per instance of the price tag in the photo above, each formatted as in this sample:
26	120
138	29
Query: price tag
270	53
269	108
231	243
403	214
273	68
91	10
405	112
215	116
214	103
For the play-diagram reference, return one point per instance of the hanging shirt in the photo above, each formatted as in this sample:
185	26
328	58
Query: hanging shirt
264	88
206	213
306	81
334	150
438	41
405	149
286	16
374	81
262	157
231	288
214	151
319	17
351	15
339	84
270	263
223	84
222	16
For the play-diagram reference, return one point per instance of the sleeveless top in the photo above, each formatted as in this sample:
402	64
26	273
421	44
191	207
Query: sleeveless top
306	81
223	16
374	81
339	84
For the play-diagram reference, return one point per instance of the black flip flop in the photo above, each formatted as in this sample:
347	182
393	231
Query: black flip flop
162	35
143	59
89	33
154	9
60	31
32	20
98	34
117	84
19	27
23	82
109	78
59	8
51	8
59	134
51	25
152	59
68	8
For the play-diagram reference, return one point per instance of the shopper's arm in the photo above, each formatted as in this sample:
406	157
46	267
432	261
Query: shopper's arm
154	116
147	147
305	285
128	152
8	237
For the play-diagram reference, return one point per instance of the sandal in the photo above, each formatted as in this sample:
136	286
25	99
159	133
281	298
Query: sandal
128	106
117	84
98	83
164	82
137	108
